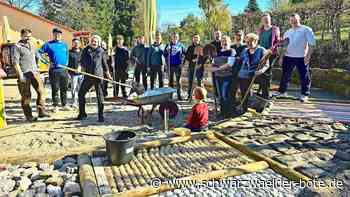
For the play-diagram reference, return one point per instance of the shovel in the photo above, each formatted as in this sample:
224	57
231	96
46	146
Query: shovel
135	87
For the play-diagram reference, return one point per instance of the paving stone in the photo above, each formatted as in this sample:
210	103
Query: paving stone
71	188
24	183
7	185
312	171
339	126
269	152
345	156
48	174
277	126
39	187
334	166
322	135
304	137
265	131
325	154
30	165
54	191
322	127
285	148
273	139
291	160
55	181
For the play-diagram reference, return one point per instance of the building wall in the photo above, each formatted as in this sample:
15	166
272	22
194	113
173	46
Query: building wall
41	27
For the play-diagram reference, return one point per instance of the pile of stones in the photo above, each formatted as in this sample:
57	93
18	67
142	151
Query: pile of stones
34	179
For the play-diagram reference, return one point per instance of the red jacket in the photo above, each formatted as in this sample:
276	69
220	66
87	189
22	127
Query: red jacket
198	118
276	37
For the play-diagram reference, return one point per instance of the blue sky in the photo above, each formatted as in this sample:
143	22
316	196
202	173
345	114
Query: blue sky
173	11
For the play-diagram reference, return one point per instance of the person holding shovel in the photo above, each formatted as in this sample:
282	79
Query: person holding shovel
251	58
93	61
193	59
222	68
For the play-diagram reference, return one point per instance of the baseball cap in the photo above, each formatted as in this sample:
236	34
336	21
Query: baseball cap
56	30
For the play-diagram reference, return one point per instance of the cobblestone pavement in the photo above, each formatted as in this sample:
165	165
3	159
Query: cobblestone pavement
259	184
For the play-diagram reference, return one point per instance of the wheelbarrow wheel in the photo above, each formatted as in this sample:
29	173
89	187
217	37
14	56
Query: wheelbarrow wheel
171	106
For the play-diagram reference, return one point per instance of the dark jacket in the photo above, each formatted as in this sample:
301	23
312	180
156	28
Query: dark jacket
74	60
138	55
155	55
121	58
94	61
190	56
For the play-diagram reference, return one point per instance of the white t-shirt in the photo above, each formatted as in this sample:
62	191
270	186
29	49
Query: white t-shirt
299	40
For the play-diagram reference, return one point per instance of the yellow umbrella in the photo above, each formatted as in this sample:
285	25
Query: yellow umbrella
150	15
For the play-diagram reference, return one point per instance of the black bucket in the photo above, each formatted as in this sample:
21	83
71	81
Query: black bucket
120	146
258	103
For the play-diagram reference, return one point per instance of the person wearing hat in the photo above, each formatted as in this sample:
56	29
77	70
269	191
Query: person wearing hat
57	50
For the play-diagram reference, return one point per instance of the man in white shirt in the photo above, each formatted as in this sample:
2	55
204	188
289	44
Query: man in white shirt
298	53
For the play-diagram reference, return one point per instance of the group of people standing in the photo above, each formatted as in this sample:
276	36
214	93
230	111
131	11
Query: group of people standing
244	58
233	66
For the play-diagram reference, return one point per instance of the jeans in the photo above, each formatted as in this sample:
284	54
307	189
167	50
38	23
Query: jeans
76	83
191	73
156	71
235	85
141	70
84	88
175	70
288	66
32	79
120	76
223	88
59	82
264	85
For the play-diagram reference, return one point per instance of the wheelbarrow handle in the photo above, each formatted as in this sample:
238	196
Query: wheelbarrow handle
95	76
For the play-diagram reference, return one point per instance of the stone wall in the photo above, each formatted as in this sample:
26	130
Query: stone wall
333	80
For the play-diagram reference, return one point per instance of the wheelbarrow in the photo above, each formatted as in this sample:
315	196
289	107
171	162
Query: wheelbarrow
160	96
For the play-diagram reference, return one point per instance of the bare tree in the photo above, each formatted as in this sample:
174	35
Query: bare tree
25	4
